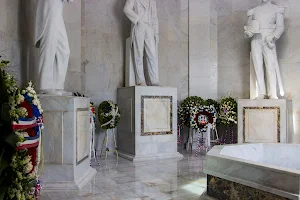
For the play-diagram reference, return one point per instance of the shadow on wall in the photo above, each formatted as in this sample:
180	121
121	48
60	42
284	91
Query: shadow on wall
28	52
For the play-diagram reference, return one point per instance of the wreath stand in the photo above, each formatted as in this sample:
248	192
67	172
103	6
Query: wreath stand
105	140
92	143
203	143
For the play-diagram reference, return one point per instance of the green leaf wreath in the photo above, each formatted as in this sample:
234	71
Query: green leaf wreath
214	103
185	108
228	111
109	115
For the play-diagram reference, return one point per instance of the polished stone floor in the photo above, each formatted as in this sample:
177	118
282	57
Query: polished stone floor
157	180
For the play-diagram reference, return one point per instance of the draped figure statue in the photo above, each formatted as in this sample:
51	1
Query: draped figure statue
54	51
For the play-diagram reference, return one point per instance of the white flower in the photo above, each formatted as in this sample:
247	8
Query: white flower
18	195
27	159
23	112
32	175
20	98
34	102
29	167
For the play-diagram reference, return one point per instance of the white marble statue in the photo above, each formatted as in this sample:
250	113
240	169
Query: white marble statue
265	26
52	40
144	37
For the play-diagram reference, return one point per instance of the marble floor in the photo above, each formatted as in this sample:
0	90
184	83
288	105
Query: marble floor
155	180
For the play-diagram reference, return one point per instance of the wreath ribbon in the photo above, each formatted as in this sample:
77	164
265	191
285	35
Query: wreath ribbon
114	114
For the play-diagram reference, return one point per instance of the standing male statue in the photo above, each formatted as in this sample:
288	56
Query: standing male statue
52	40
144	37
265	26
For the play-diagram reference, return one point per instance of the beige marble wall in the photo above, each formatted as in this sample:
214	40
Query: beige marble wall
203	66
72	17
104	31
173	46
233	52
10	39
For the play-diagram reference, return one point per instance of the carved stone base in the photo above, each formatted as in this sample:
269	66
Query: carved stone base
65	142
148	126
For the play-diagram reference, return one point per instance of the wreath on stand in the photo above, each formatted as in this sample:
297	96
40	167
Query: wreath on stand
228	117
109	117
185	109
203	120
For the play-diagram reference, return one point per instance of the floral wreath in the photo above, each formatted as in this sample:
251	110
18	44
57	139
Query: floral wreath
202	117
186	107
228	111
109	115
21	123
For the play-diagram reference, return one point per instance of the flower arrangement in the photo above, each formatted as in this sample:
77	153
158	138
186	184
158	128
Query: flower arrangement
228	110
20	126
32	98
202	117
186	107
109	115
214	103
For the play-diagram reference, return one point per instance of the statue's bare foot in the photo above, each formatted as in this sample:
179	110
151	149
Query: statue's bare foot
156	84
260	96
142	84
273	97
64	92
51	92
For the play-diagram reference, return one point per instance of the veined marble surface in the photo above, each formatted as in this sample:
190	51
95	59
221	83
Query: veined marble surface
269	167
155	180
256	129
280	155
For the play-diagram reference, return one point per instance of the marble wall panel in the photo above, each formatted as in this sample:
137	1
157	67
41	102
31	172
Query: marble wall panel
10	39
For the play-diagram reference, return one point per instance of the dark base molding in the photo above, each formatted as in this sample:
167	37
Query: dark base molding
227	190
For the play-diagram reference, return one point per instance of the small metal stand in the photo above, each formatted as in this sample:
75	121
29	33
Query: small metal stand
92	144
192	134
105	140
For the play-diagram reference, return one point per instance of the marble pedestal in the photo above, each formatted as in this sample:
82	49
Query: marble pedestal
148	125
264	121
65	143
